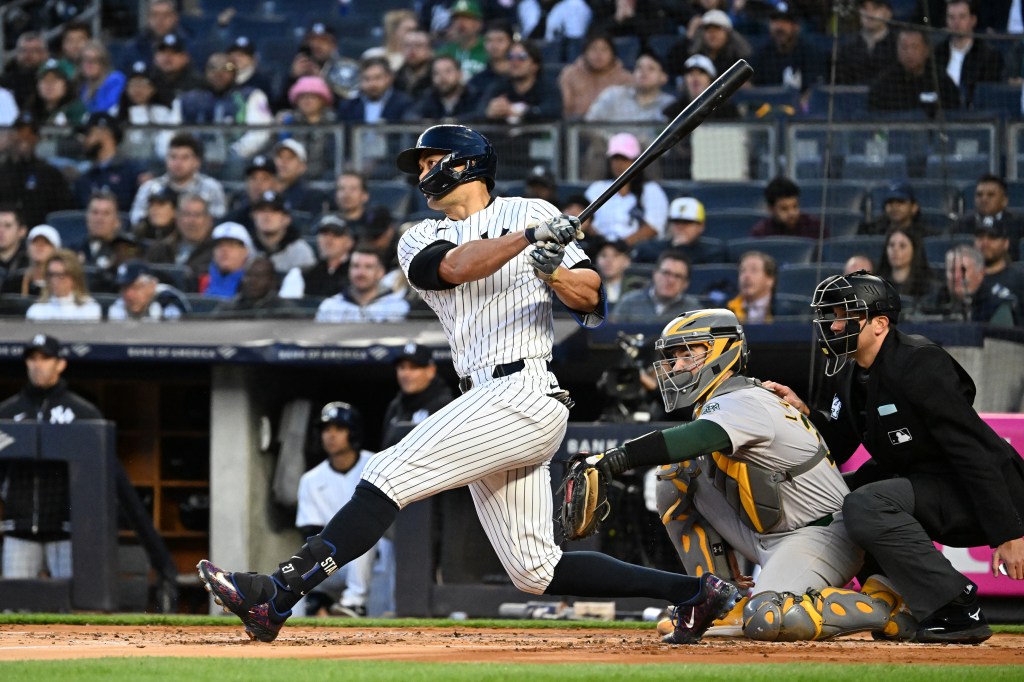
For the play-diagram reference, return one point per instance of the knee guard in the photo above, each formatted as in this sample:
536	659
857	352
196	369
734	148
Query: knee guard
313	564
699	546
901	626
787	617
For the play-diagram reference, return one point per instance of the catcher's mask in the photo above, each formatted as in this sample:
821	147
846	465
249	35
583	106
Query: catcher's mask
848	300
461	146
715	343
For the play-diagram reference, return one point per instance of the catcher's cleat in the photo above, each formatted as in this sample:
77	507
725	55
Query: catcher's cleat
690	620
902	626
255	610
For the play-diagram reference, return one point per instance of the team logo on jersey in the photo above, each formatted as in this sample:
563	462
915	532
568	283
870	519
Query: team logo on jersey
710	407
837	406
900	436
62	415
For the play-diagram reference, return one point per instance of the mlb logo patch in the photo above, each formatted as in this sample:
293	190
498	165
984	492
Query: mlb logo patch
900	436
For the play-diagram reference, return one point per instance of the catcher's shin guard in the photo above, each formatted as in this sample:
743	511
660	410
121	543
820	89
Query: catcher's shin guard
313	564
902	626
786	617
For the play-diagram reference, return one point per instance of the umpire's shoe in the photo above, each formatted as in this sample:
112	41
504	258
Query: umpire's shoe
958	622
691	619
255	609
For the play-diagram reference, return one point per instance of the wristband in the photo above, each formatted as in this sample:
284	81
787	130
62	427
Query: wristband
531	234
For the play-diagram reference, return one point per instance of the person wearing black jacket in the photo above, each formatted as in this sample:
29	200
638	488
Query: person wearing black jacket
937	472
36	519
421	392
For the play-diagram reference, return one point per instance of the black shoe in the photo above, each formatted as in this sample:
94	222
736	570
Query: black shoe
954	624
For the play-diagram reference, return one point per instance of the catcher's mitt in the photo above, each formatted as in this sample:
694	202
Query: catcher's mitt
584	497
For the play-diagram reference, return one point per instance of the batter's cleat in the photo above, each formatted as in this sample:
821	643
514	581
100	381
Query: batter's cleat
254	610
690	620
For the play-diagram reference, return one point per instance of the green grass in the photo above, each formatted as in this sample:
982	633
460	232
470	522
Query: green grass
222	670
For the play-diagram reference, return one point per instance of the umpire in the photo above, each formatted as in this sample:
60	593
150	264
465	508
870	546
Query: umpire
937	471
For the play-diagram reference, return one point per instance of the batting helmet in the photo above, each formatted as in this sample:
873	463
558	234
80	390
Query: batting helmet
849	299
715	340
463	146
344	415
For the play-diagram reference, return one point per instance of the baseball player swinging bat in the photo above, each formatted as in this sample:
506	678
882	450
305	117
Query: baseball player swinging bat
682	125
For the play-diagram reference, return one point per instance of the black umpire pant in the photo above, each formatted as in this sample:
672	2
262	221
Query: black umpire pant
896	521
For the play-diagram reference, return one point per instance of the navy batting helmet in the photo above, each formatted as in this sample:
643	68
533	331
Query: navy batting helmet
849	299
344	415
463	146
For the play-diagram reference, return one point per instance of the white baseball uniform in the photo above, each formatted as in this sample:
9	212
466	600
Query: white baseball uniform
499	436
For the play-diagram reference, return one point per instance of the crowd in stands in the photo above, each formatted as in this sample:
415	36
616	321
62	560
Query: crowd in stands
175	238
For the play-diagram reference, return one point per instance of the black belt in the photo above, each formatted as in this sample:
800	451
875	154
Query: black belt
509	368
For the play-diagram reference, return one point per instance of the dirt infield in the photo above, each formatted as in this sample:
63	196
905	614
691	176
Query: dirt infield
452	644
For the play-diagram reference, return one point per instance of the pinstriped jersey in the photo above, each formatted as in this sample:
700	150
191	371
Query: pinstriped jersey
503	317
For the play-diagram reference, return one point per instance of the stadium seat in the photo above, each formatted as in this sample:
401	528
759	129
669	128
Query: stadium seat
998	98
850	101
839	249
935	248
845	196
782	249
937	196
178	276
713	277
842	222
730	196
628	48
801	278
792	307
784	101
729	225
864	167
396	195
70	225
957	168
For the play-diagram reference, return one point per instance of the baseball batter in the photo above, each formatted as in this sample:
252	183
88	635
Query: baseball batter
490	270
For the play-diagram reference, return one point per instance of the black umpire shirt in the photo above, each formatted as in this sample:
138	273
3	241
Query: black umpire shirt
918	423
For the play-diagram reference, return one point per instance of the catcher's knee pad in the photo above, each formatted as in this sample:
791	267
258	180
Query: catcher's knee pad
901	626
699	546
787	617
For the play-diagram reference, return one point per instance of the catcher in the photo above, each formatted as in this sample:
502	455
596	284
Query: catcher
750	473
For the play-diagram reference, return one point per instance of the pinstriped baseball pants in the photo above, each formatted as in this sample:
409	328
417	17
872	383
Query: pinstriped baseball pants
498	439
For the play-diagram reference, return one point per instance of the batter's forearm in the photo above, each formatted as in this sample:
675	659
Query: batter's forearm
482	258
578	289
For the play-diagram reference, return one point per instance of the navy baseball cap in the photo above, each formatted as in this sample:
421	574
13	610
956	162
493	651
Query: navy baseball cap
261	162
171	41
45	344
416	354
900	191
163	194
130	271
100	119
333	224
242	44
270	199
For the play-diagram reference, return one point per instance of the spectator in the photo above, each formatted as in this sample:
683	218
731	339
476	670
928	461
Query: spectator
966	60
276	236
597	68
371	225
107	170
873	50
644	100
698	74
143	105
686	219
318	56
65	296
257	295
912	83
41	243
788	59
413	77
665	297
13	252
161	215
173	72
30	53
715	39
313	105
27	182
901	211
329	275
990	208
323	490
904	263
242	54
554	21
8	107
522	96
1000	16
964	297
143	297
184	159
540	183
448	97
498	38
101	83
377	101
191	242
613	261
786	219
36	510
642	18
398	23
232	251
292	164
220	101
464	37
162	20
55	101
757	276
260	177
421	392
993	243
106	245
857	261
73	39
364	300
638	211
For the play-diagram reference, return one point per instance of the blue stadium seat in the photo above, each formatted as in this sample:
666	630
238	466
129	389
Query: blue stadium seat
839	249
935	248
792	307
70	225
628	48
845	196
661	43
801	278
842	222
178	276
850	101
729	196
863	167
998	98
729	225
782	249
713	277
396	195
957	168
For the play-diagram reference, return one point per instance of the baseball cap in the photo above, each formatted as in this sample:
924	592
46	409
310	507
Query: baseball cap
52	65
716	17
416	354
619	245
171	41
540	175
140	69
899	191
466	8
100	119
130	271
242	44
686	209
319	28
699	61
623	144
333	224
233	231
294	146
782	10
990	227
261	162
163	194
45	344
270	199
47	232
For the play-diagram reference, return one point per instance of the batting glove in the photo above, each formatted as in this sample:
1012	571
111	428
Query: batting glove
545	259
561	229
